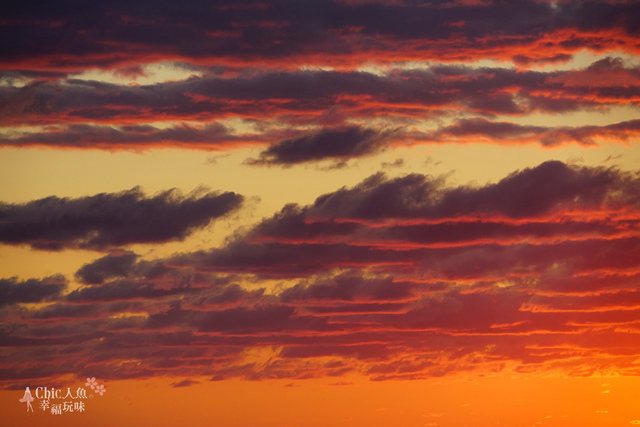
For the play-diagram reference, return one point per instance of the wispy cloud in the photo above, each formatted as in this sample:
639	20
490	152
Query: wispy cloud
107	220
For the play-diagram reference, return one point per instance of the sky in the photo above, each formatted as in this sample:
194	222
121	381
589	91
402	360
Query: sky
329	212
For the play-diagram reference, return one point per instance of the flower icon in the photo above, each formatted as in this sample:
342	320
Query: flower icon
100	389
91	382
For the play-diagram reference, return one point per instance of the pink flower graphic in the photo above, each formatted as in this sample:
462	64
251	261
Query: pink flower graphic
91	382
100	389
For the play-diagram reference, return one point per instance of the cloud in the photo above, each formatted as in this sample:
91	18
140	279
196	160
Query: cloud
13	291
109	266
417	222
123	290
403	277
74	108
184	383
534	273
448	331
483	130
351	142
288	260
62	310
349	287
527	193
114	35
249	319
111	219
210	135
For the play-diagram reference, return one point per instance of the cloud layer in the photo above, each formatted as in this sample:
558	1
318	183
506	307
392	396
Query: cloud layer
307	85
394	278
116	34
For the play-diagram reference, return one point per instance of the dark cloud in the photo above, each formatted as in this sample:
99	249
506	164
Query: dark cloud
243	320
124	290
476	261
455	310
249	319
350	287
558	282
295	228
483	130
452	329
115	33
417	222
62	310
483	127
16	76
184	383
527	193
62	315
288	260
457	233
129	136
402	278
111	219
107	267
292	223
227	295
351	142
303	97
13	291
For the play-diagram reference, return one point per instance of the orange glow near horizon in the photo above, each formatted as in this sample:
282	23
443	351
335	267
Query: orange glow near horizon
467	401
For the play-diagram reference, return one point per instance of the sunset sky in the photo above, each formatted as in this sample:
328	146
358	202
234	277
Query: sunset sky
310	213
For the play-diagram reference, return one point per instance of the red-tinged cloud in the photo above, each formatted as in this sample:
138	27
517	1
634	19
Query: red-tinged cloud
313	96
479	261
107	220
339	144
618	300
587	284
123	291
455	233
303	116
13	291
393	278
350	287
60	312
534	273
483	130
528	193
280	32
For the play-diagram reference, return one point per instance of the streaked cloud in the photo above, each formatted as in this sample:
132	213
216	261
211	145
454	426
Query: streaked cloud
372	289
106	220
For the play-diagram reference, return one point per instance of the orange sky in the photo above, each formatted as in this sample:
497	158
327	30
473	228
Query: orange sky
359	213
467	401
